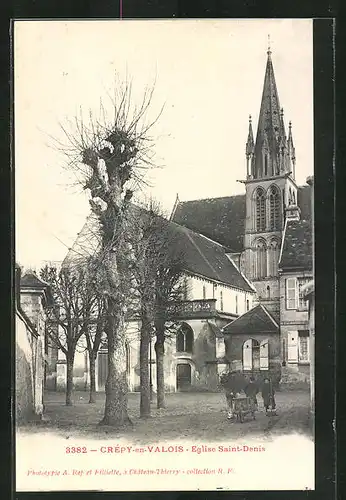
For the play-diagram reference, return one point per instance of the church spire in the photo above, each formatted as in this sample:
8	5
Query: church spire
270	150
250	148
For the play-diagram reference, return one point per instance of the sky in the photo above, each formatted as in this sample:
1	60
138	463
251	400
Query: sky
208	75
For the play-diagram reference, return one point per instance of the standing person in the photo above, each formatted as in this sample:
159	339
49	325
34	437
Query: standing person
268	394
251	391
229	384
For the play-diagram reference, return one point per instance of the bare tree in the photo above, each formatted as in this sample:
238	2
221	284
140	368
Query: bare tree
94	335
69	317
169	289
109	156
158	269
145	233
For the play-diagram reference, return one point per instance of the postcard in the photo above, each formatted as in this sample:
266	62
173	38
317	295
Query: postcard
164	179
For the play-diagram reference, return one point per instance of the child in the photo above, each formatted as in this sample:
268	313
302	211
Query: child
251	391
268	395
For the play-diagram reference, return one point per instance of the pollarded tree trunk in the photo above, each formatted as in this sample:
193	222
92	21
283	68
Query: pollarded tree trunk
69	378
116	385
144	366
160	374
92	364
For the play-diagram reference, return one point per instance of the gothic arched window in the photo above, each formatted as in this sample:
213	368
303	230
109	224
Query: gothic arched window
261	259
274	209
260	203
184	339
273	257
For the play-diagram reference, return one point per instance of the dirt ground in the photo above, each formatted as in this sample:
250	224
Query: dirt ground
201	416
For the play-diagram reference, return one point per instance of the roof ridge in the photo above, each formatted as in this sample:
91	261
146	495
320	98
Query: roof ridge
241	316
215	198
269	315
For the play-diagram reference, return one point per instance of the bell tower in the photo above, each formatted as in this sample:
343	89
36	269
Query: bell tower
270	190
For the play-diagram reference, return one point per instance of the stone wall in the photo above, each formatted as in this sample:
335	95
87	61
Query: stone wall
24	394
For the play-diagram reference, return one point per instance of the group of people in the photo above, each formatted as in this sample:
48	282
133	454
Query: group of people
233	390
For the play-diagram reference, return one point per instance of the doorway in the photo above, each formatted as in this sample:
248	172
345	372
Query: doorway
183	376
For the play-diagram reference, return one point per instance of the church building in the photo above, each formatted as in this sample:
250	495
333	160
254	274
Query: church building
247	258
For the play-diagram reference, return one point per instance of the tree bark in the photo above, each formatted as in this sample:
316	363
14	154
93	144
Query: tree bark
116	385
92	363
160	374
69	378
144	367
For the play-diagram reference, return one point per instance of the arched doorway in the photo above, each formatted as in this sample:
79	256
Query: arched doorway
183	376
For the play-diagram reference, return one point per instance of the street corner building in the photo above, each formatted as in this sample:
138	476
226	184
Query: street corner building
32	296
247	260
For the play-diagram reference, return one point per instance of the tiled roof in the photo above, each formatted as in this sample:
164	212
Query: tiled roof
201	256
207	258
220	219
31	280
297	246
223	219
257	320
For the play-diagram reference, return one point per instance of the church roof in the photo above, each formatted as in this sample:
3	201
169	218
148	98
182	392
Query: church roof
297	246
220	219
201	256
257	320
223	219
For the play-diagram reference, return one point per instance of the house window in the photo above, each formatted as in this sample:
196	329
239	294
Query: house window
303	346
274	209
291	293
303	304
236	304
221	301
265	164
184	339
247	305
204	292
260	210
255	355
261	259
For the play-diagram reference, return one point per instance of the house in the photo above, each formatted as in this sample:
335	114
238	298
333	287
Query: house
32	297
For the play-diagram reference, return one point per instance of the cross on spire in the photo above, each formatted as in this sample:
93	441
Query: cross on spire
269	51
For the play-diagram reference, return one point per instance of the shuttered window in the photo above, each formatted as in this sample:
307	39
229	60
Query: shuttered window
255	355
247	355
291	293
264	355
303	346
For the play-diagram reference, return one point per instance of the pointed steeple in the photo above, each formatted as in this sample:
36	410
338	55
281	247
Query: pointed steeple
270	151
250	149
291	150
250	144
